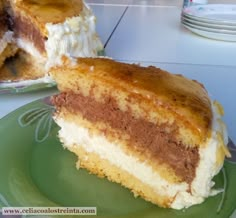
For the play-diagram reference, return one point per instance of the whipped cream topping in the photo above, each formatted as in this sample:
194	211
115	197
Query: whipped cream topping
76	37
201	187
5	40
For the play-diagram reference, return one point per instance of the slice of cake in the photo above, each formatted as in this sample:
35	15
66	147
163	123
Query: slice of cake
49	29
155	133
22	68
7	46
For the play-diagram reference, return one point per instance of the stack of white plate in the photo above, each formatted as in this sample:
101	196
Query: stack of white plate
216	21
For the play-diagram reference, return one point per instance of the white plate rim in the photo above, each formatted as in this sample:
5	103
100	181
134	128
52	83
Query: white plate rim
215	30
199	12
206	24
211	35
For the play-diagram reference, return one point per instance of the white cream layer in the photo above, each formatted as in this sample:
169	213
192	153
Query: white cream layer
72	134
5	40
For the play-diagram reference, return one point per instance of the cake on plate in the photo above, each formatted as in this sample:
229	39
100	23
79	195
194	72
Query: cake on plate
7	45
156	133
49	29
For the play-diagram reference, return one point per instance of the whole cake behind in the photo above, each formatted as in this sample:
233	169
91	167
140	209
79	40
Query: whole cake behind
156	133
46	30
50	29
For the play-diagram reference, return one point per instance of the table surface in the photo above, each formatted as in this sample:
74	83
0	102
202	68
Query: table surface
149	32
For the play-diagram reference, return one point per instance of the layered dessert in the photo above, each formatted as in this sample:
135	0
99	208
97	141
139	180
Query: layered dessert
156	133
7	46
50	29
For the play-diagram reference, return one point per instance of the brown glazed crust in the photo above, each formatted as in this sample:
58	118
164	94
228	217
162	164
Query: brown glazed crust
184	99
46	11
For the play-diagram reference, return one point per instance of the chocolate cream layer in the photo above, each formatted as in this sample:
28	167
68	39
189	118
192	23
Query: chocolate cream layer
146	138
26	30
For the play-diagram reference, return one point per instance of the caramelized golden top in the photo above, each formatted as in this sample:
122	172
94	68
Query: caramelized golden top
41	12
186	98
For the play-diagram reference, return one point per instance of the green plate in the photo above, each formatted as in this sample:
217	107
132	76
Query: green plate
37	171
